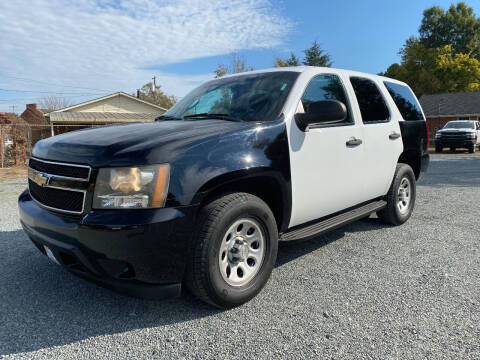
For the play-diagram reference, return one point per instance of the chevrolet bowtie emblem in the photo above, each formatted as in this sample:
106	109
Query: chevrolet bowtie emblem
38	178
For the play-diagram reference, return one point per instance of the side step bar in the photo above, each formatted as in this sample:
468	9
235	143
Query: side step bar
333	222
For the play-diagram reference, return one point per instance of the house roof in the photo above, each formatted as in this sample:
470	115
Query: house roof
466	103
99	117
12	119
120	93
33	116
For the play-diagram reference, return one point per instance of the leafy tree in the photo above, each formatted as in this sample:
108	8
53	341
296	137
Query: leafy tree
437	70
458	27
315	56
291	61
237	65
445	57
416	68
457	72
156	96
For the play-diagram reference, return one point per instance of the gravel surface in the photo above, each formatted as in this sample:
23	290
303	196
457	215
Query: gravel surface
366	291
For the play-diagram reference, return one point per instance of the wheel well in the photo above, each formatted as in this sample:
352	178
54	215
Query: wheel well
412	159
266	188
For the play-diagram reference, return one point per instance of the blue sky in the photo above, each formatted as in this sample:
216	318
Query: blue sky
89	48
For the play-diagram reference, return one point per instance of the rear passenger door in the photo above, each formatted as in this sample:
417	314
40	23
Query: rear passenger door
382	141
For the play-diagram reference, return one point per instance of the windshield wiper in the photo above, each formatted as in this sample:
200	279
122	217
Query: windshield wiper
167	117
211	116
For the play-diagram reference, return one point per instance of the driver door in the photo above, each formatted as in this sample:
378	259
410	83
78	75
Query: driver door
327	173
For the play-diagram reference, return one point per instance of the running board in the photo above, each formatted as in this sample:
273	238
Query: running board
333	222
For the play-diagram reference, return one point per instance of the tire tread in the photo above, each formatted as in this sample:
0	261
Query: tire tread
197	268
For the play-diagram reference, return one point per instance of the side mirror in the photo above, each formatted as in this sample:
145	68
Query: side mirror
322	112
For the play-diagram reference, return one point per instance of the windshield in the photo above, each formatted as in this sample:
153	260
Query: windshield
459	125
253	97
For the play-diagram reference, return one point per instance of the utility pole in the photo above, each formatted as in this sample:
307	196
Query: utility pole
13	108
154	83
2	145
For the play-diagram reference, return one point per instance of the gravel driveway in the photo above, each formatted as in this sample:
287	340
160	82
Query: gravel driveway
366	291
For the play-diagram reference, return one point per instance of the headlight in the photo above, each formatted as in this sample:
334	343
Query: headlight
471	135
437	135
131	187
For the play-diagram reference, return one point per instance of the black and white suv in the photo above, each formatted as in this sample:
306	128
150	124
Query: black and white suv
202	196
458	134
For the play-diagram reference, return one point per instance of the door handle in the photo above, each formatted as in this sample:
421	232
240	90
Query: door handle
394	135
354	142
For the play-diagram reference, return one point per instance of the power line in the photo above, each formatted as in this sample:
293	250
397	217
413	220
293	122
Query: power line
54	84
35	98
52	92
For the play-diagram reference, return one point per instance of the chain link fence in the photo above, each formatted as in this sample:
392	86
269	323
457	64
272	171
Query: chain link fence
18	140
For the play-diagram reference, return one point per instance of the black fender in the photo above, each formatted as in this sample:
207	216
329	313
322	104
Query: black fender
255	154
415	152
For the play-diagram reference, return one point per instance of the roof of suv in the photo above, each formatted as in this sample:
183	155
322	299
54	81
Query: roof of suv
312	69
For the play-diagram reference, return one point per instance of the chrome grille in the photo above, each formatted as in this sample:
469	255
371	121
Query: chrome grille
58	186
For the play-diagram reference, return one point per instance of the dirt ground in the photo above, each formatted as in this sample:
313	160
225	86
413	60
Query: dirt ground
17	172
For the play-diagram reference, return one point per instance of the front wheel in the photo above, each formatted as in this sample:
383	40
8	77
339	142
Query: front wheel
400	197
438	149
472	149
233	251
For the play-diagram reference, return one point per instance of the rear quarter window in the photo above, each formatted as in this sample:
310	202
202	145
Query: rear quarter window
405	100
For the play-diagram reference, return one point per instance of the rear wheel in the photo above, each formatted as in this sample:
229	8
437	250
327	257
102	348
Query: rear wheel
234	250
400	197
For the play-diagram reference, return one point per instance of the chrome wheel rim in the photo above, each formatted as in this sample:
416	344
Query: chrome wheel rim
241	252
404	196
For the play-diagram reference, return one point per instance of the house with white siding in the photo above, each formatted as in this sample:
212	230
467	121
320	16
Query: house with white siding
114	108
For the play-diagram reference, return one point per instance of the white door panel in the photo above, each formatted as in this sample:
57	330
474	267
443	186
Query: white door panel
326	174
379	116
381	156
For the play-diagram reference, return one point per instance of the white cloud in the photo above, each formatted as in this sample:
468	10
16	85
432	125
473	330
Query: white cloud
107	44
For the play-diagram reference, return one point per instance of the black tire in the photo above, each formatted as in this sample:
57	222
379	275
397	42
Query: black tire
438	149
391	214
453	149
203	277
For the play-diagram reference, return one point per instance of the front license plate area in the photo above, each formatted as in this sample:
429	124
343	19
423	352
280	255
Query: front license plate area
50	255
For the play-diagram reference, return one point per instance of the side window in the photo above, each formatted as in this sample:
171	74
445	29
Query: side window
326	87
371	102
405	101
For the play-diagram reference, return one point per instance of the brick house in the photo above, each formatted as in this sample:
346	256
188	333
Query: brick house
441	108
35	117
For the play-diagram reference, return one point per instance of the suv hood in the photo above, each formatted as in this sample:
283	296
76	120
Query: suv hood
456	131
132	144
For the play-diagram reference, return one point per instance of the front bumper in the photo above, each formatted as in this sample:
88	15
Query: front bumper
461	142
136	252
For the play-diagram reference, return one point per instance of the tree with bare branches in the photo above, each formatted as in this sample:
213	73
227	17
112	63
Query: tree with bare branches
51	103
237	65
